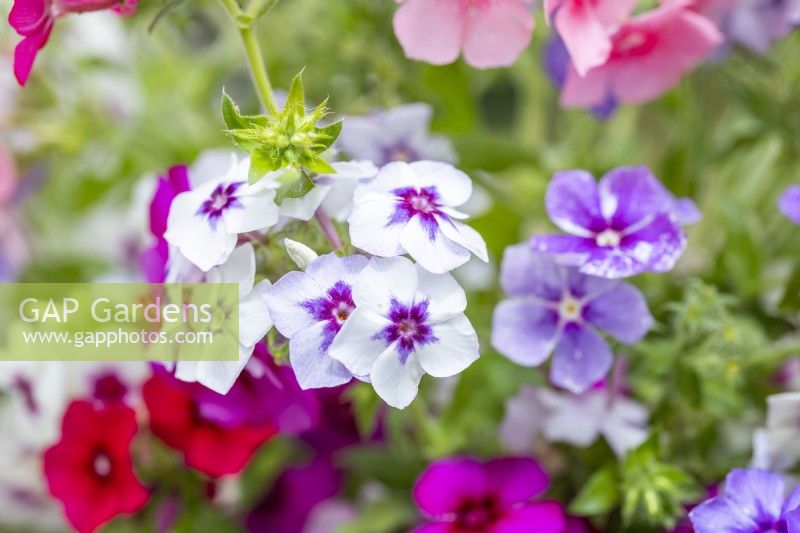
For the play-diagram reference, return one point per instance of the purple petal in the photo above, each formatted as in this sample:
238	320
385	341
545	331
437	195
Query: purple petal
789	203
622	312
569	250
721	514
629	195
515	480
524	332
793	501
539	517
573	203
444	485
586	287
582	358
686	211
527	273
793	521
759	493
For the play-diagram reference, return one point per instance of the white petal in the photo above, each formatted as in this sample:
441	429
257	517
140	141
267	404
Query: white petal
220	376
570	418
285	299
258	211
625	425
254	317
437	255
454	186
456	348
304	208
369	228
355	346
396	175
313	367
465	236
446	298
395	382
330	268
239	268
211	165
783	409
385	279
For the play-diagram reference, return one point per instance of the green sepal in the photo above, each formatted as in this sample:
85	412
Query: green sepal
599	495
261	163
331	133
295	101
234	119
296	188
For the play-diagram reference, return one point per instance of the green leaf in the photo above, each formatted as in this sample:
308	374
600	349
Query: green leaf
331	133
599	495
261	163
234	120
296	101
295	189
318	165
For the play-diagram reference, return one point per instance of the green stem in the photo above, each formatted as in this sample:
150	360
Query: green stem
253	52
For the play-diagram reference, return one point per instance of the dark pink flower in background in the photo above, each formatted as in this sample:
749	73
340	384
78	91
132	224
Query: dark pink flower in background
90	469
33	20
649	55
490	33
467	496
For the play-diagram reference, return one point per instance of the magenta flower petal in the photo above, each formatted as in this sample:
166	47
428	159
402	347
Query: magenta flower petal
581	359
622	312
515	479
540	517
29	17
445	484
26	50
789	203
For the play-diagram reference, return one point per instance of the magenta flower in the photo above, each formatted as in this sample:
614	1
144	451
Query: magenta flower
627	224
466	496
753	501
789	203
586	27
491	33
556	309
649	54
33	20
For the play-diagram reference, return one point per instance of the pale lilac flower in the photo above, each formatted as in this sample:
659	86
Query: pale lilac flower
254	322
204	222
406	322
398	134
789	203
625	225
410	209
577	419
309	308
756	24
777	446
753	501
556	309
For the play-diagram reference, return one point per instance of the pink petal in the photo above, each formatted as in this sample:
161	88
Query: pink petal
28	16
613	13
430	30
497	33
25	53
445	484
587	41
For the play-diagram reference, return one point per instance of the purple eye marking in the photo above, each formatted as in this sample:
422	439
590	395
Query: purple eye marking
408	328
333	308
400	151
423	203
222	199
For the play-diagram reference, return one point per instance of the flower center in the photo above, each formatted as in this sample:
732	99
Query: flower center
478	515
109	388
400	152
608	238
101	465
633	42
570	309
408	328
342	311
333	308
222	198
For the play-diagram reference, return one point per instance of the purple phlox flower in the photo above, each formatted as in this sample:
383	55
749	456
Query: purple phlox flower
789	203
556	309
625	225
263	393
755	24
309	308
753	501
407	322
399	134
294	496
577	419
466	496
557	63
411	209
777	446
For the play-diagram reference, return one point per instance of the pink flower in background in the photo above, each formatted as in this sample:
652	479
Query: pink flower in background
33	20
586	27
490	33
649	55
464	495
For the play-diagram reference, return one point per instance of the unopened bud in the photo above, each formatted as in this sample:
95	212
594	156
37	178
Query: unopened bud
301	254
